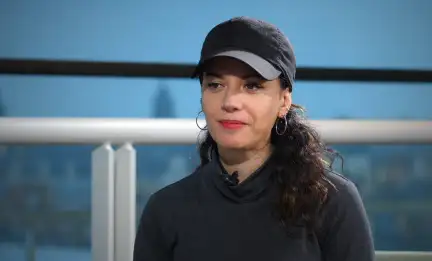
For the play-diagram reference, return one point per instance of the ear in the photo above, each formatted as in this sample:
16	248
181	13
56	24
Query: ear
286	102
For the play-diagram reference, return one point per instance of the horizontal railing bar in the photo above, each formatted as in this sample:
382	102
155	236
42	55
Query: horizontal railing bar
403	256
173	70
185	131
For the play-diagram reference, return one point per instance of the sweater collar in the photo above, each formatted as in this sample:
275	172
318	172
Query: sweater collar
248	190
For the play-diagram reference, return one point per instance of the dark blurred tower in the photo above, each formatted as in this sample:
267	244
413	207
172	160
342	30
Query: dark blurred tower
154	159
2	106
163	106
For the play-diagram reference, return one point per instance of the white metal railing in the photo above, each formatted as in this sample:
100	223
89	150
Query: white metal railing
114	172
102	211
185	131
113	202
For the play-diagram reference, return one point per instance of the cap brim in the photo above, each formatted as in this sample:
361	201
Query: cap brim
260	65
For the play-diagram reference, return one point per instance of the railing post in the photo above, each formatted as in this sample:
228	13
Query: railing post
125	202
102	212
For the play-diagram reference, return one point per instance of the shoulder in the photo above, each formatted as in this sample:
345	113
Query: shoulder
343	197
179	193
169	203
342	189
340	186
176	191
345	232
158	222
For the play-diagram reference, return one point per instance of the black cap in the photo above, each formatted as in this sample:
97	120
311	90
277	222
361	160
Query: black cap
259	44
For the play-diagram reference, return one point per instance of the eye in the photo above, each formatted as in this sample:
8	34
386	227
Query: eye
213	85
253	86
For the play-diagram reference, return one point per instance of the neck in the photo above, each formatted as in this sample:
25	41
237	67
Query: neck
244	162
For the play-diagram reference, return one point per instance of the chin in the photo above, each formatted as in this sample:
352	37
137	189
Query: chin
231	142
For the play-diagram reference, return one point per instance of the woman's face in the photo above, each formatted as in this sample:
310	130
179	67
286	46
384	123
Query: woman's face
240	107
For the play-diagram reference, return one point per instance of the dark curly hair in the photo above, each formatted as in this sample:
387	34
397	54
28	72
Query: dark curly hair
300	168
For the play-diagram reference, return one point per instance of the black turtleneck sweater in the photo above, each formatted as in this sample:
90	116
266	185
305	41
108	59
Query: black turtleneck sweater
205	218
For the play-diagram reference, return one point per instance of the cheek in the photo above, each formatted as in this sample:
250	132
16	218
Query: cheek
264	119
209	107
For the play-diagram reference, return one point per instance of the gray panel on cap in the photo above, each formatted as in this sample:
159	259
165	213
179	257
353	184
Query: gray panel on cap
262	66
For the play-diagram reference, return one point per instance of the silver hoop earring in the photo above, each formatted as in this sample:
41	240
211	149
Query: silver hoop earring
285	123
196	121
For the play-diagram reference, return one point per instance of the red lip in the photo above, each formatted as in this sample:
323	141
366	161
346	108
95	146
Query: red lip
232	125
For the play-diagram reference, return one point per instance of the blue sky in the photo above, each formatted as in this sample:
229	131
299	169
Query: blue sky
385	33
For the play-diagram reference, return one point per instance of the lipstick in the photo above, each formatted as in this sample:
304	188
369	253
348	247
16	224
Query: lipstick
232	125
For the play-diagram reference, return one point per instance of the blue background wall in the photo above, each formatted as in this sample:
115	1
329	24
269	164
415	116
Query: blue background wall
375	34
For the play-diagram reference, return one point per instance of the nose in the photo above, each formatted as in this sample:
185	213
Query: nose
231	100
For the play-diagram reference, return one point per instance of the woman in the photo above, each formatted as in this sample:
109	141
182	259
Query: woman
262	190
